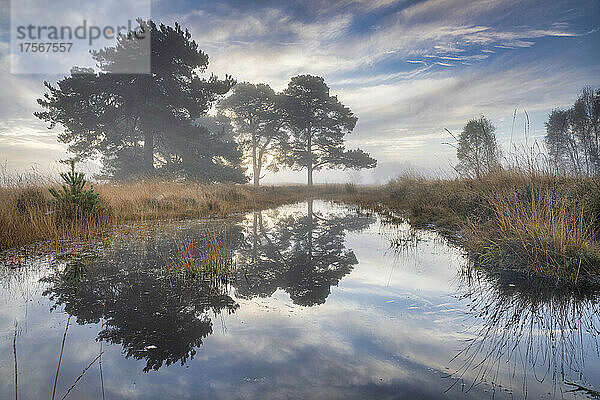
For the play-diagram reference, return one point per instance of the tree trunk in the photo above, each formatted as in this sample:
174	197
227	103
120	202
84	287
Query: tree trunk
310	229
255	164
256	175
255	237
310	161
256	178
149	151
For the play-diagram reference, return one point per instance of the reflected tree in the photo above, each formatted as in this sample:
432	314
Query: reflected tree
301	253
164	318
158	317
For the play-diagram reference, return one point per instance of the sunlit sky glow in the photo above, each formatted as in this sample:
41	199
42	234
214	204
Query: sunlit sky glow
408	69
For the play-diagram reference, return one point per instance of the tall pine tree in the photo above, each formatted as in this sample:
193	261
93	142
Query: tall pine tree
318	123
137	122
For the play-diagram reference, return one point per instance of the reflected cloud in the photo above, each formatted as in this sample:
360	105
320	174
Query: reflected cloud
163	318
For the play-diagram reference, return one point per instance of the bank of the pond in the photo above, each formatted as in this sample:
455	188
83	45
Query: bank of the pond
27	217
542	223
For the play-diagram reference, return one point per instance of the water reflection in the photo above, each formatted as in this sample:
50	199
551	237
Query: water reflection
387	325
526	325
163	318
159	317
301	253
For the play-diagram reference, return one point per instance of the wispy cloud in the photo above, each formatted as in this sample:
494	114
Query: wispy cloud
407	69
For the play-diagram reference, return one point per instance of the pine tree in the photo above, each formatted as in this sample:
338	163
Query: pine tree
73	201
318	123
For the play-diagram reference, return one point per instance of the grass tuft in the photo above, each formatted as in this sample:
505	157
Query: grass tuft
212	261
545	230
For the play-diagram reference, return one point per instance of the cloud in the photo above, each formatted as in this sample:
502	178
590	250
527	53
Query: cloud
406	70
269	44
408	118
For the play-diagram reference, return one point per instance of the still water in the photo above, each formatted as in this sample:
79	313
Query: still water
323	306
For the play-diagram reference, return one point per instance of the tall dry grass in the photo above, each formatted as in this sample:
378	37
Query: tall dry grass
26	216
157	199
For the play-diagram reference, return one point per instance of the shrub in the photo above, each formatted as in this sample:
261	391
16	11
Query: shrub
73	202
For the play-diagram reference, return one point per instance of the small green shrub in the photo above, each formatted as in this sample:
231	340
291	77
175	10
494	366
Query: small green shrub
73	202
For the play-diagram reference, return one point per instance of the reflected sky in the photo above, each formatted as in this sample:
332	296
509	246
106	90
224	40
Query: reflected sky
321	307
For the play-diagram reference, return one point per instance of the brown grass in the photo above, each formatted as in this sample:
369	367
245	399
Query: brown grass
24	222
26	217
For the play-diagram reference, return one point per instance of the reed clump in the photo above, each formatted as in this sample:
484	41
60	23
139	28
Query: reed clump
56	214
552	230
212	260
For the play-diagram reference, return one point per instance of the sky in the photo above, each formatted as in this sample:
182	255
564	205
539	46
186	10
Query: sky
408	69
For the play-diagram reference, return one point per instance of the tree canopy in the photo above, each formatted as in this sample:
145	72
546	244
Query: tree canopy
157	124
258	116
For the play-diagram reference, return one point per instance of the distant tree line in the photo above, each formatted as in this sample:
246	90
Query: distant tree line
572	140
159	124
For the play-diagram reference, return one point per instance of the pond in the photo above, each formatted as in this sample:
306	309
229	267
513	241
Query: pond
327	302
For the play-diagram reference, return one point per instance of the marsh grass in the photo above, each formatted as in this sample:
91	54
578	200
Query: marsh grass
212	260
27	217
538	220
525	216
546	230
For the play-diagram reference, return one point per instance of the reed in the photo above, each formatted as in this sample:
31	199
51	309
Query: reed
26	217
212	260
